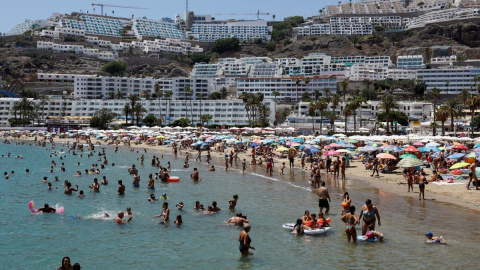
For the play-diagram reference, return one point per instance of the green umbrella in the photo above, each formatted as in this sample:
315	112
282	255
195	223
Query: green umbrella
353	141
407	155
409	162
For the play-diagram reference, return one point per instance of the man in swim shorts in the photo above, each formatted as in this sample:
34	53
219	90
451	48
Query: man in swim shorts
136	180
323	199
471	175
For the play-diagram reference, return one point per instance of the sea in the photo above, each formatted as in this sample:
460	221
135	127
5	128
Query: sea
205	241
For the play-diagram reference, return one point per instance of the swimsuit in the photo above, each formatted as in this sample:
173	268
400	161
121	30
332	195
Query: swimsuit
371	214
421	185
138	185
242	246
151	188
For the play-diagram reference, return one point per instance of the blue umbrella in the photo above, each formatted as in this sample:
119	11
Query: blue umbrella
239	142
455	156
313	150
254	144
369	149
432	148
297	140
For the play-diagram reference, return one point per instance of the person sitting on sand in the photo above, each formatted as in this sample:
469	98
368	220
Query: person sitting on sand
431	239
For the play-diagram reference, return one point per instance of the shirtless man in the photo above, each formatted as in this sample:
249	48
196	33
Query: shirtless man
121	188
69	189
95	187
343	166
244	165
422	180
237	220
471	175
47	209
323	198
119	219
195	176
136	180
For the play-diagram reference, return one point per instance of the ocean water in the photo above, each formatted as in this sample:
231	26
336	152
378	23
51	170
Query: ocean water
39	241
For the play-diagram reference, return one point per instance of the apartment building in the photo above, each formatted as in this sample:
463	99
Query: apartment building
410	61
450	80
243	30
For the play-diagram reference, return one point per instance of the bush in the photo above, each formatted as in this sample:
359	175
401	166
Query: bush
271	46
69	39
114	67
200	58
226	44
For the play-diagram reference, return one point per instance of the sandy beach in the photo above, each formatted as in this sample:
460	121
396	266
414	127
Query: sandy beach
394	183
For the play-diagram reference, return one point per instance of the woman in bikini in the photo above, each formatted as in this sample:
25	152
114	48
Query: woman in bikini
369	212
351	220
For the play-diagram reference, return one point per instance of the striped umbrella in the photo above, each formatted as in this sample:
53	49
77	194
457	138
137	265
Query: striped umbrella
409	162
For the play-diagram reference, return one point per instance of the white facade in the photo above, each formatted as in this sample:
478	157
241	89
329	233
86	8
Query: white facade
373	72
152	28
410	61
78	49
287	87
224	112
450	80
443	16
29	25
444	60
243	30
401	74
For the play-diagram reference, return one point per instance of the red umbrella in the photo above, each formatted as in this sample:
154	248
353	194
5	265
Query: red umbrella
460	147
411	149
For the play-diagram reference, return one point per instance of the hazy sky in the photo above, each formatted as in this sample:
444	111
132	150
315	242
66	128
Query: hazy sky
13	12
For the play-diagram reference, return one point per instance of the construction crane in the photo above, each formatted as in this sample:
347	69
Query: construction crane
258	14
105	5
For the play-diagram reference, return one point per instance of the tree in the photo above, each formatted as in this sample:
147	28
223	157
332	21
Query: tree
226	44
321	105
133	103
435	92
275	95
464	94
388	104
331	116
335	101
347	111
168	96
224	92
189	93
159	94
138	110
114	67
454	110
150	120
297	83
264	112
215	96
442	115
473	103
316	94
200	58
312	112
205	118
126	112
44	98
183	122
344	85
356	102
102	118
419	88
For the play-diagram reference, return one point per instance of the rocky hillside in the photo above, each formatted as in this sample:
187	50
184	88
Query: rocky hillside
20	59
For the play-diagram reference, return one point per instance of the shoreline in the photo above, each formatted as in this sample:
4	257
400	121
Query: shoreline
451	195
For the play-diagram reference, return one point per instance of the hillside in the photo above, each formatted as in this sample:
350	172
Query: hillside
20	59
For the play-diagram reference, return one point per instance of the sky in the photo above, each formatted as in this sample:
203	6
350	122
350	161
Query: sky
13	12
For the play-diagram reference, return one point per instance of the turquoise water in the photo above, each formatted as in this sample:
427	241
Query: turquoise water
31	241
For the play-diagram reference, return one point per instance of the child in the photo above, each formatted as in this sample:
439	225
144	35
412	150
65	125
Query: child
371	234
431	239
81	195
282	168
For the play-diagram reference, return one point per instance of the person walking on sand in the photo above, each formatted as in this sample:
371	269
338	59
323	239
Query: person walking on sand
471	175
269	161
410	179
244	165
343	166
323	198
375	167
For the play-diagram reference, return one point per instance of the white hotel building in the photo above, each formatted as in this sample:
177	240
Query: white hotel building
243	30
450	80
224	112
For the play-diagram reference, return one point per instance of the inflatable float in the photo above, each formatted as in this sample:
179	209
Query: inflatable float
289	226
364	238
31	205
435	241
456	172
173	179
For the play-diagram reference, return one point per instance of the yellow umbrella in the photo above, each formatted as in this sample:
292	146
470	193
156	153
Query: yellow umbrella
160	137
459	165
282	149
442	148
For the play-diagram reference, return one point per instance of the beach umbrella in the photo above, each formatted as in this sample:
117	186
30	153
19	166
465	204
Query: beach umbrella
410	148
298	140
407	155
313	150
254	144
368	149
456	156
293	144
391	148
137	138
459	165
343	150
460	147
282	149
331	153
434	144
409	162
353	141
305	146
418	144
385	156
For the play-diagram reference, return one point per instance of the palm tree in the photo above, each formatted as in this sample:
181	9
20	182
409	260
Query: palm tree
224	92
126	111
159	94
312	112
473	102
205	118
388	104
335	101
442	115
275	95
245	97
306	82
168	96
321	105
297	83
138	110
316	94
201	97
119	95
435	92
331	116
464	94
44	98
344	85
327	94
454	110
189	92
347	111
133	102
356	102
447	84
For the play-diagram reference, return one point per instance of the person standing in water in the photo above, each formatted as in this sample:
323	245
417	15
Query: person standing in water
95	187
369	212
245	240
422	180
121	188
323	198
350	220
165	213
119	219
233	203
